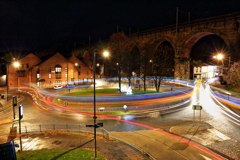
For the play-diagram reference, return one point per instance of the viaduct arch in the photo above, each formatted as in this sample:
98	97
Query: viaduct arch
183	38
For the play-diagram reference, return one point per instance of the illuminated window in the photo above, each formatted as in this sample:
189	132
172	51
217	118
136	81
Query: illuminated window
58	72
58	69
66	69
49	75
66	75
38	75
58	82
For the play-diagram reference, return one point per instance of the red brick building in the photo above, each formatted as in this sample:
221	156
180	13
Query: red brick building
46	73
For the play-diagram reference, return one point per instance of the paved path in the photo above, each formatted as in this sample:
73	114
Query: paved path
163	146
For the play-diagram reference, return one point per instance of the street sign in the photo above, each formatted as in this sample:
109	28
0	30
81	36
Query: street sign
100	124
197	107
89	125
96	125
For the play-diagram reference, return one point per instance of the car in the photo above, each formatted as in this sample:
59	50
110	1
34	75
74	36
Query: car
57	87
70	86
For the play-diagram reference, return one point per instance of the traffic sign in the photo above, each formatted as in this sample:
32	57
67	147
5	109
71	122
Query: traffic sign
197	107
89	125
100	124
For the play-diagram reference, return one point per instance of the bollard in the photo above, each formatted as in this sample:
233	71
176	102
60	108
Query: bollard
26	129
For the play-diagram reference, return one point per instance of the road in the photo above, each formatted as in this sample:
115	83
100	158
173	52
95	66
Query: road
213	129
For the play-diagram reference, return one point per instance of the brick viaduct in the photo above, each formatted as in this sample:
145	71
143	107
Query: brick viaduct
183	38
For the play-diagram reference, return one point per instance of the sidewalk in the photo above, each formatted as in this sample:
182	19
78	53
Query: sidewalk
111	149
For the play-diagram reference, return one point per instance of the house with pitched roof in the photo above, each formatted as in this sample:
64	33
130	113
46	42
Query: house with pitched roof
49	71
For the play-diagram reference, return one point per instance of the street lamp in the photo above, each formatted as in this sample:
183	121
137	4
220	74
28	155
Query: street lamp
16	64
75	65
105	54
220	56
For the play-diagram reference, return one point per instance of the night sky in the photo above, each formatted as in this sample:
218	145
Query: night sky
39	24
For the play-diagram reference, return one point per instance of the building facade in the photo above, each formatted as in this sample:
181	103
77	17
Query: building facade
48	72
203	70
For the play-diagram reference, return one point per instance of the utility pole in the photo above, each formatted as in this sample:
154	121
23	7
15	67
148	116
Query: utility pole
177	21
188	17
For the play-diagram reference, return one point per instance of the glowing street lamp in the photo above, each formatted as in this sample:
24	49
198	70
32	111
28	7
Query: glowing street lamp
15	64
219	56
95	125
105	53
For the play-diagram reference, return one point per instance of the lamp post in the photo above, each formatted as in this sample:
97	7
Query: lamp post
20	115
94	99
16	65
219	57
7	82
75	65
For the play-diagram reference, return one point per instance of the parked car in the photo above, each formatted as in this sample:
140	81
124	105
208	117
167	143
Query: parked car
70	86
57	87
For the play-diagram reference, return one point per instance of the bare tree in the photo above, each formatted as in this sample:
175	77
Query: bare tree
131	61
117	43
162	64
145	64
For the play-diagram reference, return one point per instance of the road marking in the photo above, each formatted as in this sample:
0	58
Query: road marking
219	134
205	157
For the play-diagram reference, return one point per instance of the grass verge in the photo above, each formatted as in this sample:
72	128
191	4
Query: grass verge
59	154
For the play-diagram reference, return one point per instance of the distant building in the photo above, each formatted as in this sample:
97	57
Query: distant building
205	70
49	71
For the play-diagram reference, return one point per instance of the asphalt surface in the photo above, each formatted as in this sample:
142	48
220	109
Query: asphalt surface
147	144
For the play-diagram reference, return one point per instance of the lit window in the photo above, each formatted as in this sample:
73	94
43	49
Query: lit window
66	75
38	75
58	82
58	69
66	69
49	75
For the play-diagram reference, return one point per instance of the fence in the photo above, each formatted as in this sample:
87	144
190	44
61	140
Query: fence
43	128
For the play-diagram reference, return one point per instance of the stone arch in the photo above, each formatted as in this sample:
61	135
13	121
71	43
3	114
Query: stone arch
189	41
159	41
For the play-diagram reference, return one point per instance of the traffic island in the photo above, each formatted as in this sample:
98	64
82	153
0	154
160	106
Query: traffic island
190	128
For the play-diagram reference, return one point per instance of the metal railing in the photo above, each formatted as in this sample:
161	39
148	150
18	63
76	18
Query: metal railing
58	128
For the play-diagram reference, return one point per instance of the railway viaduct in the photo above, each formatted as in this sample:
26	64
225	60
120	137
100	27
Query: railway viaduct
183	36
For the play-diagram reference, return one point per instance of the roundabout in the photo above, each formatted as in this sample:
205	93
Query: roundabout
111	102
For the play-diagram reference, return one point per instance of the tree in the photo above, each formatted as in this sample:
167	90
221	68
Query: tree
233	76
117	43
145	63
130	63
162	64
